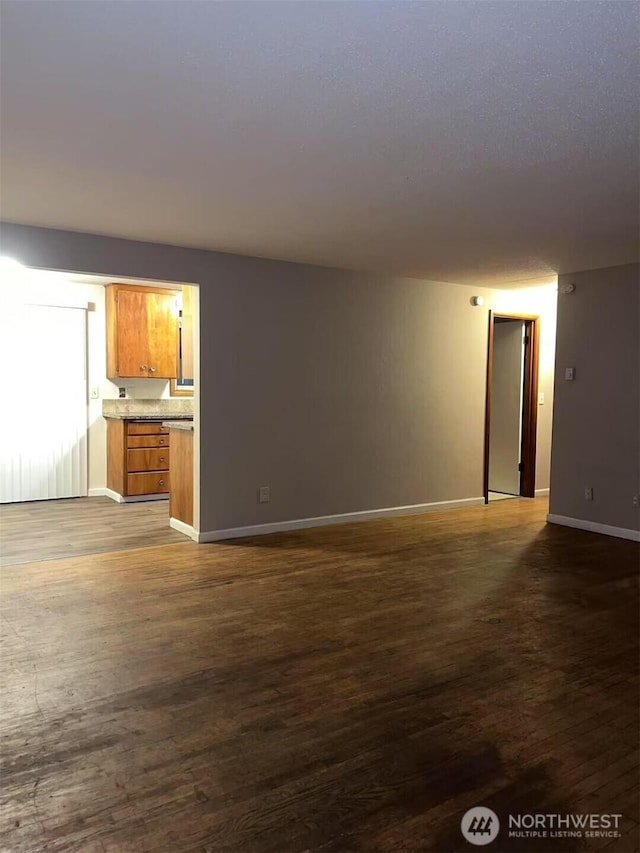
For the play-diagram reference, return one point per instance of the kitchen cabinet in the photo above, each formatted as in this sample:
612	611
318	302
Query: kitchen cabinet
142	332
181	491
138	457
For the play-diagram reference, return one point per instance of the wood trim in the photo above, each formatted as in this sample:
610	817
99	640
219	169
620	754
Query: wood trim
188	351
487	409
530	403
174	391
185	359
530	412
146	288
500	315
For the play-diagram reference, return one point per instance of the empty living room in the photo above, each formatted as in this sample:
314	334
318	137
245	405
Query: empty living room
320	450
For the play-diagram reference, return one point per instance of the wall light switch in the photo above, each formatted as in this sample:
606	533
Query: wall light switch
541	398
95	392
569	373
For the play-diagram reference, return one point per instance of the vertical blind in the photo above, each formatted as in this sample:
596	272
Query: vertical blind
43	428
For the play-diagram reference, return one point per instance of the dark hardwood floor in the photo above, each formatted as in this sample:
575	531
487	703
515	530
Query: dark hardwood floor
48	530
353	688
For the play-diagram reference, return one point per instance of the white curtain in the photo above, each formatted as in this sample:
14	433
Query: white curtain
43	426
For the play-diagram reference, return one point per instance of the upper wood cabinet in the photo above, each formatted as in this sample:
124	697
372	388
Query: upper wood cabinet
142	331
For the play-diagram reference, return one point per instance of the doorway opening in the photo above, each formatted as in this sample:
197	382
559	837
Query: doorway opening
511	410
89	373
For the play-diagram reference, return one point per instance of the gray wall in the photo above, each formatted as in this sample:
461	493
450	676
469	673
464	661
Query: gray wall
596	424
343	392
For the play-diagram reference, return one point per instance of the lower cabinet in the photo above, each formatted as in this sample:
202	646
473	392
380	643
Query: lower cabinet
138	456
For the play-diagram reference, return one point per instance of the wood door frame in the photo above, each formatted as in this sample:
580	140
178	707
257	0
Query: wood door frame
529	402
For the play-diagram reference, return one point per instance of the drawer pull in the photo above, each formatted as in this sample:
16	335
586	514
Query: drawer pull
162	458
161	441
143	367
161	483
153	369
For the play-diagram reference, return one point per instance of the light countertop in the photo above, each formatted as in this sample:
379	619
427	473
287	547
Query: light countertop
140	409
145	416
179	424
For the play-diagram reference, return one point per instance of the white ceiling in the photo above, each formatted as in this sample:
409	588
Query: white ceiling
475	142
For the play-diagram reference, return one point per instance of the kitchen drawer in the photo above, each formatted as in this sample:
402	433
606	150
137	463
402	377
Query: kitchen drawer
148	484
147	441
147	459
146	428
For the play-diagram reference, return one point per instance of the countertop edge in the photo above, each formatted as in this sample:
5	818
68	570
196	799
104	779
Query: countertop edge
183	424
145	416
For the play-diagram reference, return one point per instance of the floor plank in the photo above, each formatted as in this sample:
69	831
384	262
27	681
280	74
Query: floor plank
70	527
354	688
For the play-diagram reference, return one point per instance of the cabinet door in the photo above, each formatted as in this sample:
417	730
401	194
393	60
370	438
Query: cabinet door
162	332
133	341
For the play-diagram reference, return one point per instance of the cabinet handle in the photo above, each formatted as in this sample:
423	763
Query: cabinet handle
162	458
161	441
161	482
152	369
143	367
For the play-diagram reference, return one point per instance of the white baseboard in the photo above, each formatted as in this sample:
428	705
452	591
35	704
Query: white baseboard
541	492
325	520
594	527
121	499
109	493
182	527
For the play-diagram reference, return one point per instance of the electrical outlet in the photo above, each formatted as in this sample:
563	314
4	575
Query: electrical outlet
636	500
588	493
264	494
122	393
569	373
